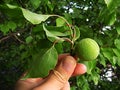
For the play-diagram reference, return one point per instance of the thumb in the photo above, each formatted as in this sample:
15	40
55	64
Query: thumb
60	76
65	68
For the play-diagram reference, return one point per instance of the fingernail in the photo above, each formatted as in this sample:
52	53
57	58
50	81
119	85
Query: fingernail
69	64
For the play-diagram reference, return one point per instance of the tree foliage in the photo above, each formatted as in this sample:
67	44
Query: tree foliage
30	29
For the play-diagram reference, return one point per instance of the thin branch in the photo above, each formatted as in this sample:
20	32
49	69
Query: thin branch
19	39
10	35
4	38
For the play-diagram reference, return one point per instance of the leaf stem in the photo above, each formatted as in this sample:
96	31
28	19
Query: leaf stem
65	39
69	25
74	33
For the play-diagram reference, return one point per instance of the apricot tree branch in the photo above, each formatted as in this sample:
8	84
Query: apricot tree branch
19	39
10	35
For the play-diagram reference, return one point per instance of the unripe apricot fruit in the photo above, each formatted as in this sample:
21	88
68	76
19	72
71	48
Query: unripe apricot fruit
87	49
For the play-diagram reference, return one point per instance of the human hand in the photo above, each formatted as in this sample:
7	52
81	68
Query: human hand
66	67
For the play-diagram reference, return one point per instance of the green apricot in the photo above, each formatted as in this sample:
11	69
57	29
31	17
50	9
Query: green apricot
87	49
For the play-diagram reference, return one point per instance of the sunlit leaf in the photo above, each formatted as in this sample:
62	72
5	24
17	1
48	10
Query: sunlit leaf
107	16
112	18
108	2
60	22
112	4
11	6
33	17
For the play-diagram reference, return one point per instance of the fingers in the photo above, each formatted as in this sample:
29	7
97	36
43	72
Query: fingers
66	86
59	77
66	67
28	84
79	69
61	56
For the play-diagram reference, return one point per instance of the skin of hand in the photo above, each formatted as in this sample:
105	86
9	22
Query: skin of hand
66	67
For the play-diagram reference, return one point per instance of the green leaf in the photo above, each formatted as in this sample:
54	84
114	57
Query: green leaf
12	25
36	3
59	48
102	60
58	31
4	29
43	62
12	11
77	33
37	28
11	6
33	17
117	52
82	83
59	22
50	5
73	88
118	29
114	60
117	43
68	17
118	61
51	36
112	18
86	31
112	4
108	2
90	66
29	39
107	52
107	16
7	26
95	77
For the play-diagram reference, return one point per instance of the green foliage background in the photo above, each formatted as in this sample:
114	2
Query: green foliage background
22	37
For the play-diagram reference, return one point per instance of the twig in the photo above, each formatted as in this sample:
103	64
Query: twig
4	38
19	39
10	35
